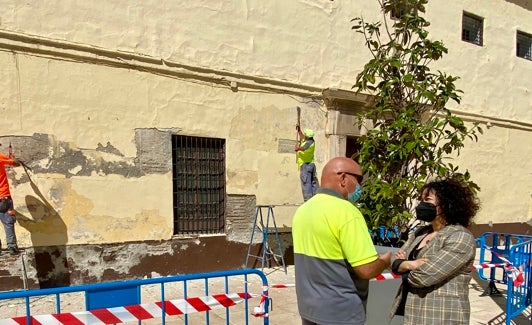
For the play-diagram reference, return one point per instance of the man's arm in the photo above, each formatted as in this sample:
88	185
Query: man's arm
4	160
301	135
372	269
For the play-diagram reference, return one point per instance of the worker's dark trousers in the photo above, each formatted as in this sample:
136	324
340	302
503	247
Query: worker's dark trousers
309	180
9	222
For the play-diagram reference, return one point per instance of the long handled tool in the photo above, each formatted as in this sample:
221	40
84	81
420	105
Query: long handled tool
298	125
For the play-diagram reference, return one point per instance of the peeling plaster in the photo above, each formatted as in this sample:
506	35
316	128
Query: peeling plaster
46	155
109	149
56	199
75	170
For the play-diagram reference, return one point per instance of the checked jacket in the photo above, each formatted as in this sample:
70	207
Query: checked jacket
439	291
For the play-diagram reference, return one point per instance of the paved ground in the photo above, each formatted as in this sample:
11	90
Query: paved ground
487	310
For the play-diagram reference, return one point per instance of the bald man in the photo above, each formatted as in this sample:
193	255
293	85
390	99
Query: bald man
333	252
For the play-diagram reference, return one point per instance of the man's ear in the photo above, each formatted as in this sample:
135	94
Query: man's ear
343	182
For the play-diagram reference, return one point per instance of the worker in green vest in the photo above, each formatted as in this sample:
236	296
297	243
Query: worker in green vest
305	162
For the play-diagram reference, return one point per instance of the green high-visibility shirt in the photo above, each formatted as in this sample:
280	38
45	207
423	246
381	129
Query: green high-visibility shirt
330	237
306	152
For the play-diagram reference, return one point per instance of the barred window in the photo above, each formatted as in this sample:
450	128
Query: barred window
472	29
198	167
524	45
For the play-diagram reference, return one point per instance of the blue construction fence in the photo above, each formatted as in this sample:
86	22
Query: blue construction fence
229	297
388	236
514	252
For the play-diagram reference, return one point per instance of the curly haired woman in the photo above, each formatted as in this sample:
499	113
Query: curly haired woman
436	260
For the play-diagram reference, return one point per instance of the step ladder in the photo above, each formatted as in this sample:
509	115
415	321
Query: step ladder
267	254
24	271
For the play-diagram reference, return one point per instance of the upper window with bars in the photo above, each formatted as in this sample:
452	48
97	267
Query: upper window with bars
523	45
472	29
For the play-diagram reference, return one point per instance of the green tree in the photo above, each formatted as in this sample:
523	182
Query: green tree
413	136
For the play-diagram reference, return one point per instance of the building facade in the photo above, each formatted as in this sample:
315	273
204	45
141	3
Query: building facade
153	129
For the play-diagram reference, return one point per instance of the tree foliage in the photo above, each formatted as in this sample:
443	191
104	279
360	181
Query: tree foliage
414	136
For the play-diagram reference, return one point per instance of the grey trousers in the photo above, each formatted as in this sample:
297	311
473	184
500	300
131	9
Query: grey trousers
309	180
9	225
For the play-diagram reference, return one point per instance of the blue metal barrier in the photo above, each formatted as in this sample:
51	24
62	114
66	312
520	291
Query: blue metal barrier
387	236
520	297
115	295
517	250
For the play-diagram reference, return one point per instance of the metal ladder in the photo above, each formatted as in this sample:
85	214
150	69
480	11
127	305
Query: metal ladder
25	272
266	252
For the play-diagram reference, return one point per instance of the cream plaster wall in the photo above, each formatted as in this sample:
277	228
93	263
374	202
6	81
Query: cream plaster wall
497	86
308	43
496	83
500	164
80	104
304	41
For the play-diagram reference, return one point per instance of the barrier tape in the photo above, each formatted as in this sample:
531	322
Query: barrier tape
276	286
511	271
391	276
487	265
260	310
386	276
131	313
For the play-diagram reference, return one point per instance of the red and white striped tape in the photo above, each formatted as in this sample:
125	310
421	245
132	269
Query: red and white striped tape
260	310
512	271
386	276
131	313
391	276
277	286
487	265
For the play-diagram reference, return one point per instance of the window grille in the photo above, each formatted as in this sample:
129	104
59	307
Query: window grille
198	166
524	45
472	29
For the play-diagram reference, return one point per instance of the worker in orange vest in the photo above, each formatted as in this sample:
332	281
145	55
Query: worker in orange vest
7	212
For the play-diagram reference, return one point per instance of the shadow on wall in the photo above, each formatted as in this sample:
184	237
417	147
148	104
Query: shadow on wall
51	262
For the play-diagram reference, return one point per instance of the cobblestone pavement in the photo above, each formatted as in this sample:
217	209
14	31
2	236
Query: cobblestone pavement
488	310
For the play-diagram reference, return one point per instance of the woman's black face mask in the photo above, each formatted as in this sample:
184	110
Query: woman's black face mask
426	211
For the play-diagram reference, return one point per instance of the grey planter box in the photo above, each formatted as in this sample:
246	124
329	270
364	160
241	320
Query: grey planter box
381	295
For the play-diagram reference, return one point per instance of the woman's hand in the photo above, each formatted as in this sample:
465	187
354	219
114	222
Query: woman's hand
412	265
400	255
406	265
